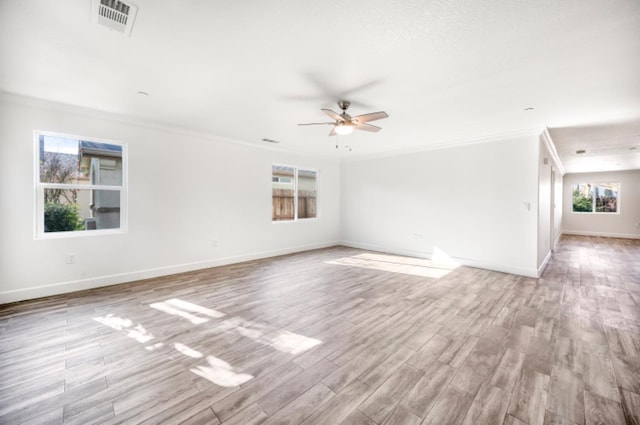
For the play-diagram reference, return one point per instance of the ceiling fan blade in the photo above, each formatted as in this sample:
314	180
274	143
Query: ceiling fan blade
366	127
333	115
318	123
370	117
333	132
327	89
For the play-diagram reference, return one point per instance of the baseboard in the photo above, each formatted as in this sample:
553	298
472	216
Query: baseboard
601	234
544	264
555	243
100	281
462	261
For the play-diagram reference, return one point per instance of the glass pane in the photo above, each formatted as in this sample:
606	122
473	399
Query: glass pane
68	210
72	161
582	198
307	194
282	192
606	197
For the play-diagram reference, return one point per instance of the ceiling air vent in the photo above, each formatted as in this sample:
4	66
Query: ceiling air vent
115	15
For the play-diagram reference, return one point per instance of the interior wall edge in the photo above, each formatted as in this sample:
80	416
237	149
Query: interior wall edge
553	152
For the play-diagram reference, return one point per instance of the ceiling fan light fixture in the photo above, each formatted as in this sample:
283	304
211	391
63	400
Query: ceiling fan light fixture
343	129
344	123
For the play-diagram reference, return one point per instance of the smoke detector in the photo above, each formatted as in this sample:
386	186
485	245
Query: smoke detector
116	15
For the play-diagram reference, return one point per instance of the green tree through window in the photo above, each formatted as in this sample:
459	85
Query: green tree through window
582	203
595	197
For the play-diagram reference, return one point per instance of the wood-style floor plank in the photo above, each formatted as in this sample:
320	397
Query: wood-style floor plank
488	408
450	409
283	394
551	418
631	407
339	407
601	410
401	416
384	399
302	407
336	336
507	372
530	397
358	418
426	391
255	390
599	377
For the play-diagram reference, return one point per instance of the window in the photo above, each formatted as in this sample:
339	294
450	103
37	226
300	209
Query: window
595	197
293	193
281	179
80	185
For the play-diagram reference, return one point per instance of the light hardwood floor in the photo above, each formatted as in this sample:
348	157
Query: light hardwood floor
337	336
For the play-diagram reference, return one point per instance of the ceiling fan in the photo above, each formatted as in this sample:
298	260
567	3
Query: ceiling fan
345	123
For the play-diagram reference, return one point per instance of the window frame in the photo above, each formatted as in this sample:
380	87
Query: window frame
40	187
295	192
593	197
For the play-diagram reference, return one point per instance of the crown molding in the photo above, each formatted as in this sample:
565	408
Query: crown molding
455	143
53	106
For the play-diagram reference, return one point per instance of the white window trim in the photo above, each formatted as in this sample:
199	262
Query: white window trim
618	199
295	193
39	188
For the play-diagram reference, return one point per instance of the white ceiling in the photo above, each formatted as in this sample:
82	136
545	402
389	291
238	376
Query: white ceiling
444	70
613	146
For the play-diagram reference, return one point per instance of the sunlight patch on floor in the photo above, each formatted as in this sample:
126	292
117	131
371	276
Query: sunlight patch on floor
292	343
215	370
187	310
220	373
194	308
137	332
188	351
282	340
153	347
441	264
243	327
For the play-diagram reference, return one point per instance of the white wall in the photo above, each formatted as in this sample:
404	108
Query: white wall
626	224
466	201
184	192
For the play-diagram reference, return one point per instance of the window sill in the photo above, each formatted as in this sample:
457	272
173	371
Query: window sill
79	234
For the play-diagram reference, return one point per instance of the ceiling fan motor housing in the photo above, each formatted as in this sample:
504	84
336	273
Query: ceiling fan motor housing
344	104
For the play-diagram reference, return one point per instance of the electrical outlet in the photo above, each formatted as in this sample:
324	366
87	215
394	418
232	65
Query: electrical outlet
70	258
526	206
214	243
417	235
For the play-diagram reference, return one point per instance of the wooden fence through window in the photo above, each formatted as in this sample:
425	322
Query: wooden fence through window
283	203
